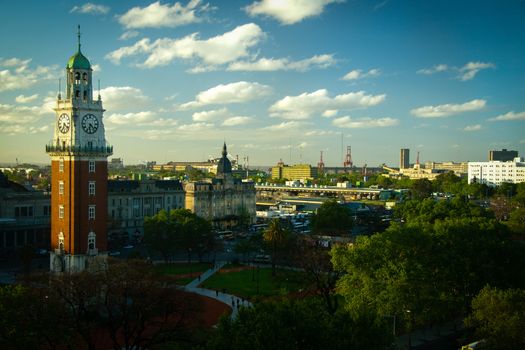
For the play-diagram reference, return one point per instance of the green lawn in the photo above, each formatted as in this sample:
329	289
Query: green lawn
182	268
244	283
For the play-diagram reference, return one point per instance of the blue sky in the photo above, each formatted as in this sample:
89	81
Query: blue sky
275	79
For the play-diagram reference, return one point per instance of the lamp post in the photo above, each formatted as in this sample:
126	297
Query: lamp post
409	313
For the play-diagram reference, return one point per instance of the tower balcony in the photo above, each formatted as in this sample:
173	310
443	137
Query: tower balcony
79	150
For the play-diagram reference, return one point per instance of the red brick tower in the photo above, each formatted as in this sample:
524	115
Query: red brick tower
79	172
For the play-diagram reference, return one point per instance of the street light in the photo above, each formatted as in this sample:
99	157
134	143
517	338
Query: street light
409	328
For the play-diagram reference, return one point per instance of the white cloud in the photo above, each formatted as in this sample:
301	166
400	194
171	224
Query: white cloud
522	141
117	98
475	127
196	127
96	68
321	133
91	9
330	113
130	34
157	15
288	11
448	109
272	64
238	92
290	125
234	121
509	116
217	50
352	123
469	71
318	102
131	119
206	116
17	119
359	74
26	99
436	69
20	129
19	75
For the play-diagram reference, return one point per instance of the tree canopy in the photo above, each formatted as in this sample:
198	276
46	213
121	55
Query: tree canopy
332	218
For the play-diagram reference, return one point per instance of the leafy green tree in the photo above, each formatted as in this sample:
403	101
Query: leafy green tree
332	218
276	237
499	318
516	223
160	233
421	189
195	234
299	324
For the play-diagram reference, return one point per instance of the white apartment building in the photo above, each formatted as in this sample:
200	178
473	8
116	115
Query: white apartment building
493	173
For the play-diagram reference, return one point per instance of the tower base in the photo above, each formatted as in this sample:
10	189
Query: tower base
60	262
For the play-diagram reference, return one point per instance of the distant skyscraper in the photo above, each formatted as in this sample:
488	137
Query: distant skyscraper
404	158
503	155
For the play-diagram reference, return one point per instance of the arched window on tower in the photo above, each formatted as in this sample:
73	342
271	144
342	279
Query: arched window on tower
61	242
77	93
77	77
85	95
92	237
84	77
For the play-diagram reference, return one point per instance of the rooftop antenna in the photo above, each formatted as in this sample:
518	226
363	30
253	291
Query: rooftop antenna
348	160
99	89
59	89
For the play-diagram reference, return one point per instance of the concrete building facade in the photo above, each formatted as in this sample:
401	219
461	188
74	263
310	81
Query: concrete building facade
294	172
494	173
404	158
503	155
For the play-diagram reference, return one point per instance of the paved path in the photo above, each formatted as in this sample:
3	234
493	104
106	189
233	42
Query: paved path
229	299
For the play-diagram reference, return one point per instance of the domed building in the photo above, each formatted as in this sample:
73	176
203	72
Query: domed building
225	200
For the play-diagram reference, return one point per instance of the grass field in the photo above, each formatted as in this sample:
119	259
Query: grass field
244	283
182	268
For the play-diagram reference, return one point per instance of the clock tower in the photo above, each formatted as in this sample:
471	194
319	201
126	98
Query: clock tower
79	172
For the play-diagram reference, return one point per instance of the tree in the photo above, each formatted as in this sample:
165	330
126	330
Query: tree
516	223
499	318
276	237
332	218
160	233
421	188
298	324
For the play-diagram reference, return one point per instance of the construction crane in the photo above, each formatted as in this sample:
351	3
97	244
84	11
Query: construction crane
348	159
417	166
320	165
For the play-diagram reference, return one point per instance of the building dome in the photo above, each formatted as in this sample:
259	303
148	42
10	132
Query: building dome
224	166
78	61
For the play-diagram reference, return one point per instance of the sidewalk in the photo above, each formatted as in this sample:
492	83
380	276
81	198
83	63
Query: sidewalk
229	299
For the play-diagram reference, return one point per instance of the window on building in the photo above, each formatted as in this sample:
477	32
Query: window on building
91	166
61	241
61	211
91	188
91	212
92	237
60	187
61	165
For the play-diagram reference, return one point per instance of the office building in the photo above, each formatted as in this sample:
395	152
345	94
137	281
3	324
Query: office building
294	172
404	158
503	155
494	173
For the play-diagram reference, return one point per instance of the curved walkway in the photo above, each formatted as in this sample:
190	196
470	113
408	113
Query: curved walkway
229	299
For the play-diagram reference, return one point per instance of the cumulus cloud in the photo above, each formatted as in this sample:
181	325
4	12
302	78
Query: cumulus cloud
436	69
157	15
90	9
469	71
221	49
284	64
234	121
307	104
448	109
475	127
509	116
321	133
290	125
238	92
288	11
117	98
194	127
16	119
130	34
330	113
361	123
26	99
130	118
16	73
206	116
359	74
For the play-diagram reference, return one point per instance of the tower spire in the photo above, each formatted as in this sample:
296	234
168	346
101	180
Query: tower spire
78	36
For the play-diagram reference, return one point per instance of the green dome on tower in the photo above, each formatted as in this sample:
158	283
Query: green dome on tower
78	60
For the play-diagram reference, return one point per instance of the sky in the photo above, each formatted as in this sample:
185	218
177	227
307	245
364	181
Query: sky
274	79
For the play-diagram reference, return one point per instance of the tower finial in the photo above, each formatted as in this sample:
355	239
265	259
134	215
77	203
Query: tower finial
78	35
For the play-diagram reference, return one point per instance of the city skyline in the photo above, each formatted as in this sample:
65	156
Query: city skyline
273	80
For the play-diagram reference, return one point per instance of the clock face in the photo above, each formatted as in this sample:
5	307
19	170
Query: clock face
90	123
63	123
